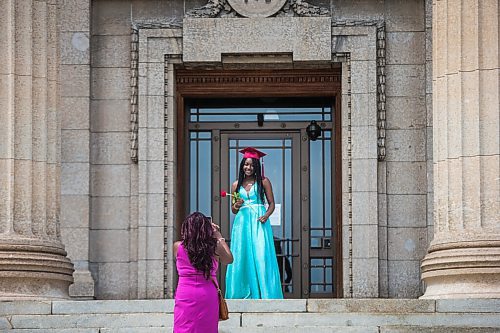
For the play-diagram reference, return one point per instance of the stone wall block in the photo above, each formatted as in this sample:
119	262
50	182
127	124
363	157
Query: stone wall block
364	206
407	17
404	278
428	77
74	211
74	113
382	178
75	15
110	115
364	142
405	48
365	241
75	145
110	83
109	279
406	145
156	141
111	51
407	210
108	246
364	175
155	177
365	277
156	114
363	110
405	80
111	18
110	180
75	48
155	279
406	112
110	213
77	243
153	238
77	80
363	77
156	210
407	243
156	79
110	148
75	178
406	178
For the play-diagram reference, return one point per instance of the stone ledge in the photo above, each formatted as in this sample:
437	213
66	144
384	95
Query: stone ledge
371	305
113	306
469	305
8	308
417	329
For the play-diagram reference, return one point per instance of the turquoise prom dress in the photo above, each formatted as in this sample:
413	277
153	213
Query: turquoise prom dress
254	272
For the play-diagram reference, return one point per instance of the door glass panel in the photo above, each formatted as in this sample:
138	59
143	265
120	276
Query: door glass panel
200	172
321	230
321	275
273	109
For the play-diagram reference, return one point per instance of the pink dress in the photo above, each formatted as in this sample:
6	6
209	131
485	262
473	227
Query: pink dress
196	307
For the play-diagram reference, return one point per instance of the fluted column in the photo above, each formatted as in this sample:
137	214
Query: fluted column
33	263
464	258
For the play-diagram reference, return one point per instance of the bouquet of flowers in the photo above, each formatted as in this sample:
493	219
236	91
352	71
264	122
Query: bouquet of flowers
235	196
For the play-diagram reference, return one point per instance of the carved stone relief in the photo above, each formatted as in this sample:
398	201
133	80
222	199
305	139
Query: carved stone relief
257	8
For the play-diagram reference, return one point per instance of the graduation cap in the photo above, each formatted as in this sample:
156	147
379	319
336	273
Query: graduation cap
251	152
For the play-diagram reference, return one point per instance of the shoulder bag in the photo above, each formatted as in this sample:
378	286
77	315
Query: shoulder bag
223	310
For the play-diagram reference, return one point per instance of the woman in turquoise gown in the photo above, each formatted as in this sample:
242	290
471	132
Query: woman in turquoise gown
254	272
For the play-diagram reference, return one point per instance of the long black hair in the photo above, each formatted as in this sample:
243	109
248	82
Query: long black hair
258	177
198	240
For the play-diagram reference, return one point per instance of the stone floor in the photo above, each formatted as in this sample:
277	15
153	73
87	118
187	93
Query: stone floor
255	316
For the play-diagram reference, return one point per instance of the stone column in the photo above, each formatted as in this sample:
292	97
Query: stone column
33	263
464	258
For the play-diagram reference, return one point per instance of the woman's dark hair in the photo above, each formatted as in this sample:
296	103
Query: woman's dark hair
258	177
198	240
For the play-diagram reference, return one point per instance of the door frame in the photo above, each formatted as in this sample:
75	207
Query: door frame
223	207
313	82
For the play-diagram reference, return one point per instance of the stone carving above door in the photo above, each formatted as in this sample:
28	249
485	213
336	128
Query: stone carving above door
257	8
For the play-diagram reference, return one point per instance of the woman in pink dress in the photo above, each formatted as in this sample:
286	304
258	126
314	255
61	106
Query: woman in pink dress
196	307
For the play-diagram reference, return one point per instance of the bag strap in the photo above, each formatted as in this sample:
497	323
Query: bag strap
215	284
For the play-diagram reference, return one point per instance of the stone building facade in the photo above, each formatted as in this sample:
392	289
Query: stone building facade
95	137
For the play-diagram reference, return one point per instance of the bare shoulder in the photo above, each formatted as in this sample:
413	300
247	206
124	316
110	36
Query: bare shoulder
176	248
266	182
233	187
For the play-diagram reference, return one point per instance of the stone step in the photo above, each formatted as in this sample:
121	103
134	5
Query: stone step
287	320
311	329
258	316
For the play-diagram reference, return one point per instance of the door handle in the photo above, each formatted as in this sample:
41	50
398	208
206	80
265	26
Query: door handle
326	242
